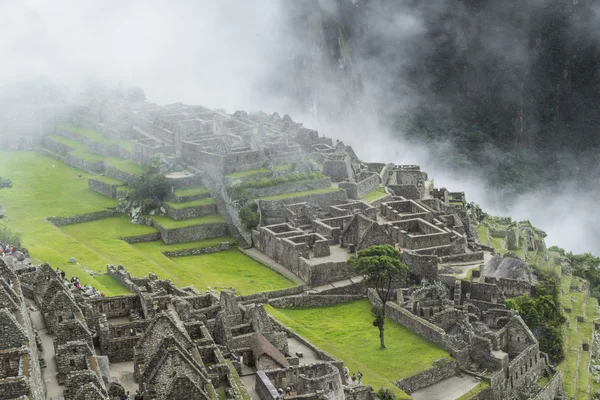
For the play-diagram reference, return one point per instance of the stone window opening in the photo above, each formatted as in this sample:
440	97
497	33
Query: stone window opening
516	376
510	338
531	362
518	339
521	370
535	358
72	363
330	386
75	351
100	308
60	318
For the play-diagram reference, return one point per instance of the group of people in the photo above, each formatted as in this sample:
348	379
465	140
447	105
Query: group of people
6	250
87	289
357	377
288	390
127	396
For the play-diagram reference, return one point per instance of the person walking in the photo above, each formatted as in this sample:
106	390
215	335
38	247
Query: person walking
359	375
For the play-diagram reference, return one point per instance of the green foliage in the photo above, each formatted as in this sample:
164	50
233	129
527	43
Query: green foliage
5	183
9	236
249	216
381	266
542	313
385	394
150	188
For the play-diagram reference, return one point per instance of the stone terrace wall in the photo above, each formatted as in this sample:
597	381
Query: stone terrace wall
424	266
192	233
106	189
291	187
194	252
62	221
304	300
118	174
510	287
148	237
263	297
356	190
106	150
75	162
179	214
441	370
416	324
275	208
323	273
464	257
550	391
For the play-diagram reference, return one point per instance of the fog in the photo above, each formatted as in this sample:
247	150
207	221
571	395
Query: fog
235	55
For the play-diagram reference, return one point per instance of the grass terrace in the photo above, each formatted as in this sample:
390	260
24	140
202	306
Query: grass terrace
41	190
201	202
79	149
346	332
374	195
169	223
191	191
300	194
124	165
250	172
96	136
107	179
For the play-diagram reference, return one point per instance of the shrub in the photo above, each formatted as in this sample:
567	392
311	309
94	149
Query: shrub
5	183
385	394
9	236
249	216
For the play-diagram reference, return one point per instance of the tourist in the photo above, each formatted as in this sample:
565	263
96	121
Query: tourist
353	378
137	396
287	390
57	271
101	294
360	375
131	332
62	274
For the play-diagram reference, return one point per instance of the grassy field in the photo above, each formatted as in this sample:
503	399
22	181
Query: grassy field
346	332
40	190
96	136
374	195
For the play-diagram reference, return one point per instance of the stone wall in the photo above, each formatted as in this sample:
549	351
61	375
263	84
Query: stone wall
194	252
323	273
179	214
263	297
552	388
192	233
274	209
106	150
118	174
510	287
464	257
423	266
356	190
442	369
62	221
148	237
305	300
106	189
416	324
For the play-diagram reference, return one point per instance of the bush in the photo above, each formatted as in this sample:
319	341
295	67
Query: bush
385	394
249	216
8	236
5	183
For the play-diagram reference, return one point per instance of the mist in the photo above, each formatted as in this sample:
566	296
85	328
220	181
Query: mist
271	55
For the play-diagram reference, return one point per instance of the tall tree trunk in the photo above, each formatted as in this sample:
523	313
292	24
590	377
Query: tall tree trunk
381	324
381	341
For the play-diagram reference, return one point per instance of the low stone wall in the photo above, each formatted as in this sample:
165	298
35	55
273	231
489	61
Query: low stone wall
550	391
376	203
106	189
62	221
464	257
106	150
356	190
194	252
442	369
75	162
275	208
423	266
291	187
305	300
118	174
263	297
192	233
57	147
416	324
179	214
149	237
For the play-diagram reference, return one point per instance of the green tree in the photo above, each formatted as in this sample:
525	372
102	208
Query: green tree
249	216
386	394
381	266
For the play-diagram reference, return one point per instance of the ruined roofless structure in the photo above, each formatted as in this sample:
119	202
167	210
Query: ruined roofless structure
179	343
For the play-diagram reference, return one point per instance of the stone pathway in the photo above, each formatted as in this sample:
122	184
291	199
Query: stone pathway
53	389
448	389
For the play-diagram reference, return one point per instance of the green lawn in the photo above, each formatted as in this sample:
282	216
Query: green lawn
299	194
40	190
200	202
124	165
482	233
169	223
374	195
96	136
250	172
346	332
190	191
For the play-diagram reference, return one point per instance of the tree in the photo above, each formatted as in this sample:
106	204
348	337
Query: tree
386	394
381	266
5	183
248	216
